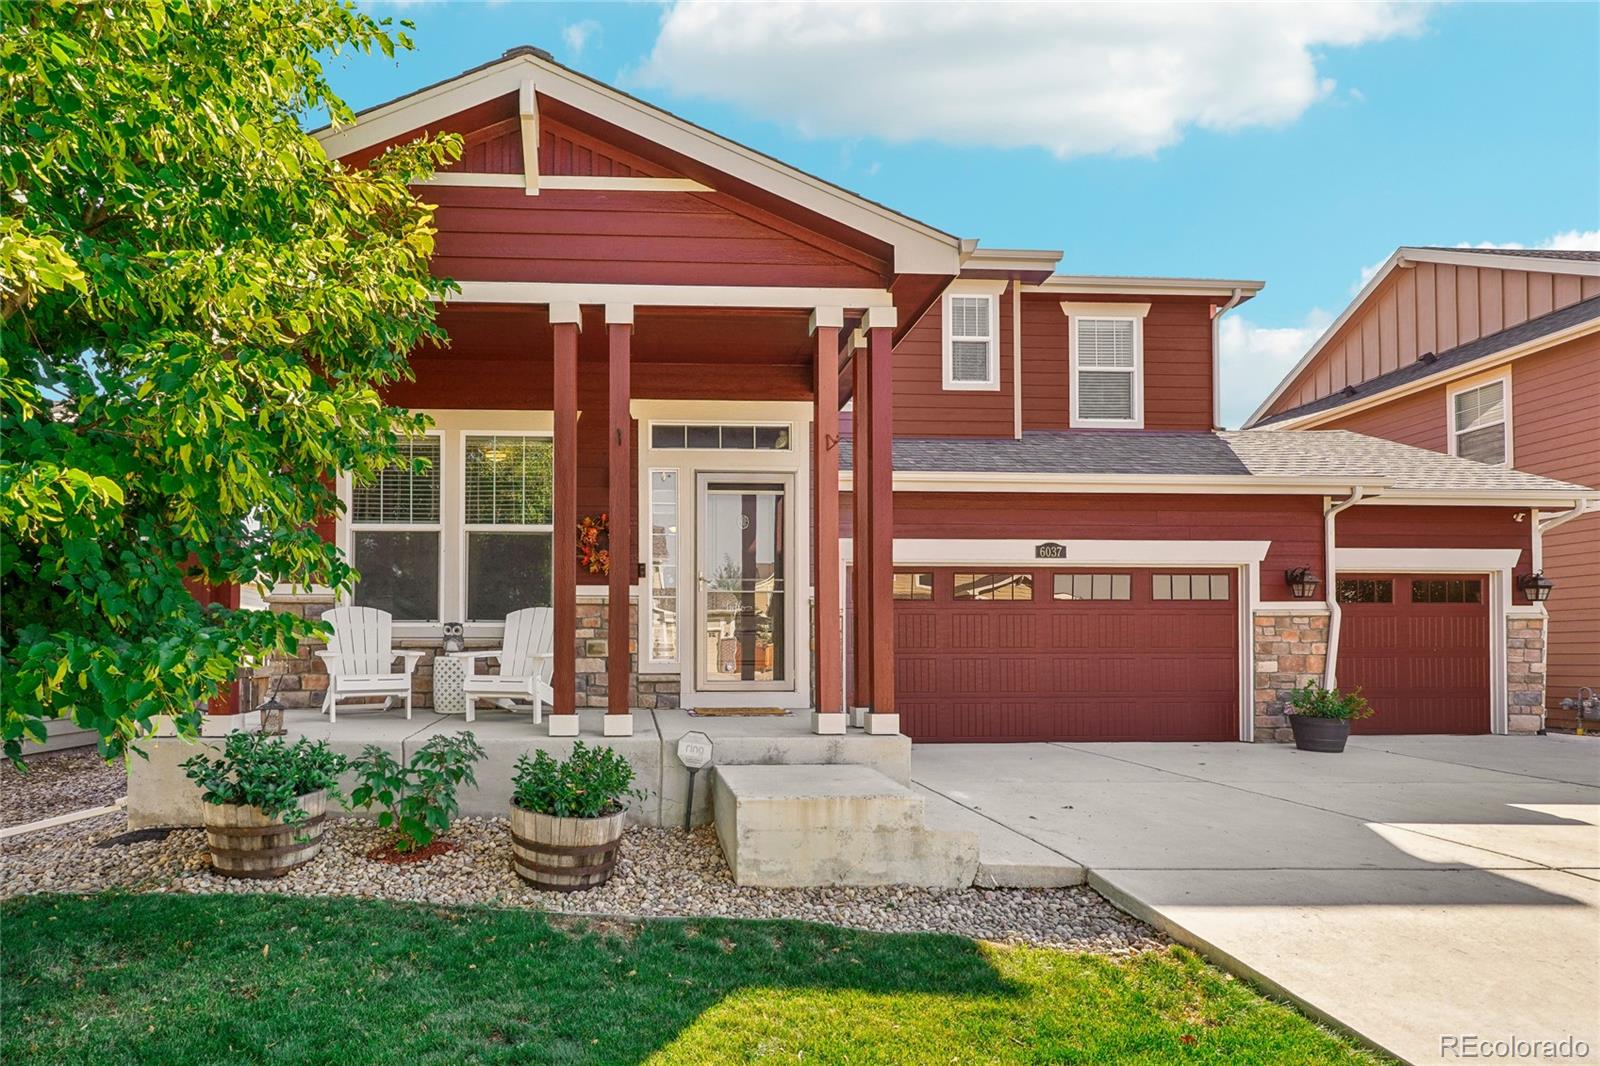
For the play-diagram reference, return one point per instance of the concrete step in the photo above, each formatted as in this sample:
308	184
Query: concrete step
803	826
1006	858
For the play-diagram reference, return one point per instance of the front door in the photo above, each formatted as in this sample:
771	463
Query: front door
745	566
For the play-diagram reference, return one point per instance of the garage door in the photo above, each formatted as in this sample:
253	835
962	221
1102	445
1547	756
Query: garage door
1418	647
1113	654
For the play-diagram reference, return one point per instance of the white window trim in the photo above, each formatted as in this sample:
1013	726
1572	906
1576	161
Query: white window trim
348	527
1105	312
463	561
971	290
1468	385
650	429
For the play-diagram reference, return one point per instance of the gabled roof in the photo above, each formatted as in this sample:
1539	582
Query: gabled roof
918	247
1318	461
1564	323
1543	260
1138	285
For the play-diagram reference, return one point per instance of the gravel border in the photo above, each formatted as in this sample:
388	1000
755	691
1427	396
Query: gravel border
662	873
59	782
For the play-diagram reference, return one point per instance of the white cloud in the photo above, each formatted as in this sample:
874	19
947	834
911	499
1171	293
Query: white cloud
1074	79
1572	240
578	34
1255	358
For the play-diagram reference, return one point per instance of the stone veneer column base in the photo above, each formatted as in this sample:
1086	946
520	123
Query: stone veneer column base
1525	674
1290	650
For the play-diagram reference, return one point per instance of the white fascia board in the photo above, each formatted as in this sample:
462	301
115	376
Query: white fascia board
546	292
918	248
959	551
1482	498
1426	560
1219	484
1011	259
565	181
1139	286
1476	366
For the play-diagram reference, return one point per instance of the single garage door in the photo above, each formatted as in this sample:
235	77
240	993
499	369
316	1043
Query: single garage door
1047	654
1417	645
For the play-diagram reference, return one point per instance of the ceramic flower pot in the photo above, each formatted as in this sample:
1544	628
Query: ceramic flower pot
1319	734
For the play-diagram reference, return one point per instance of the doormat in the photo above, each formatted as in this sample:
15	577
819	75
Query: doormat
739	712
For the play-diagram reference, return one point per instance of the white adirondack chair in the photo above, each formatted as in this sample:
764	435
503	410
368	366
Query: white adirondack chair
360	659
525	665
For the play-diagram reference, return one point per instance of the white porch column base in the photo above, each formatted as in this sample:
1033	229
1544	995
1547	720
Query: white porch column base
618	725
828	725
562	725
882	724
858	718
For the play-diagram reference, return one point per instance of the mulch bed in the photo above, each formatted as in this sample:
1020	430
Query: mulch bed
58	782
387	853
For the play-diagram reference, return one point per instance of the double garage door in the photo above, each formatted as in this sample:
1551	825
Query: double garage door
1049	654
989	654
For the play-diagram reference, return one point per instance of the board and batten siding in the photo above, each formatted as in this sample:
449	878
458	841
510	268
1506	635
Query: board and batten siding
1430	307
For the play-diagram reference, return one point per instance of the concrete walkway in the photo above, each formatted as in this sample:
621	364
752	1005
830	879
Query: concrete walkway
1411	890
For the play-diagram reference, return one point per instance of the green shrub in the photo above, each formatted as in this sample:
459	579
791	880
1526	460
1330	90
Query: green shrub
267	772
1314	701
588	784
419	798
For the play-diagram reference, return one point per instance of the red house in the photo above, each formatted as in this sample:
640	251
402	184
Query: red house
852	463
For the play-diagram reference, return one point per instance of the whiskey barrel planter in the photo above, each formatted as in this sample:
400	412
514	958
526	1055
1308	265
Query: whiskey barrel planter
565	854
244	842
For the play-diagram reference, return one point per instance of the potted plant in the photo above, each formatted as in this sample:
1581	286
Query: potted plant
265	802
567	817
1321	717
418	799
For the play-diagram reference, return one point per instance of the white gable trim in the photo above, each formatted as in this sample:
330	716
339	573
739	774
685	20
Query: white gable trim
918	248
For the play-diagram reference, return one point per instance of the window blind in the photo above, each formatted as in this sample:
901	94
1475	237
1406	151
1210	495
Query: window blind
971	339
400	495
509	481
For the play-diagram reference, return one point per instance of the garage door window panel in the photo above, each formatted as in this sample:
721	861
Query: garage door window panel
994	587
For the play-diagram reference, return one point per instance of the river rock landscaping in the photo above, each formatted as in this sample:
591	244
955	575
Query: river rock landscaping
662	872
59	782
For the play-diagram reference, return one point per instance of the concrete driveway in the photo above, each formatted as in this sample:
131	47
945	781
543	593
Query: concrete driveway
1412	889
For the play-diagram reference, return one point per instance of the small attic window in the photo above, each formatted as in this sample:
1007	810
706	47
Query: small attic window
971	341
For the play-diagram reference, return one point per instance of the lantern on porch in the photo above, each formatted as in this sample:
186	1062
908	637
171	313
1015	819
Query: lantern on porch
272	716
1302	582
1536	587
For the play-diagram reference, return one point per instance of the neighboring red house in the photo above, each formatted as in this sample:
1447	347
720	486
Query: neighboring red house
1492	355
1049	535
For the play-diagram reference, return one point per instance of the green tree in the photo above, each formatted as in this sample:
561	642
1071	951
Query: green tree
199	312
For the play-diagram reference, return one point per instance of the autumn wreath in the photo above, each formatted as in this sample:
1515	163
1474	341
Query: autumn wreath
594	544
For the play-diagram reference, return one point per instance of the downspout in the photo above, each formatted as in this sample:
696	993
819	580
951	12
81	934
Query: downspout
1541	526
1216	356
1329	511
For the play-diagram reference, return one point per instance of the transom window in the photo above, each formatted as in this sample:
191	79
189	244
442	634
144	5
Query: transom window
1106	368
1093	586
971	341
918	586
1447	590
1189	586
1478	423
1365	590
1006	587
394	534
733	437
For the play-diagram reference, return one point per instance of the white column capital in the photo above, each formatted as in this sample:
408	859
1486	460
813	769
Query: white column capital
880	318
822	317
858	339
619	314
566	312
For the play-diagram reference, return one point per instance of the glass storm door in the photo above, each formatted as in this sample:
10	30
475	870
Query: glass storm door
744	574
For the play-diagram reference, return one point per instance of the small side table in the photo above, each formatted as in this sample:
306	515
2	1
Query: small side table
448	674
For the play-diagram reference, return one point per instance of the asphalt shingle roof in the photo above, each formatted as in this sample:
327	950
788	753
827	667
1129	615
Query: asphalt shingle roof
1280	454
1506	339
1576	255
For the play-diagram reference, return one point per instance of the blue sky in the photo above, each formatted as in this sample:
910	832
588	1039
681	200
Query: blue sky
1297	144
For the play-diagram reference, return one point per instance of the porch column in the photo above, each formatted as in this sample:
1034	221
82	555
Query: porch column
565	321
619	440
829	716
861	529
879	327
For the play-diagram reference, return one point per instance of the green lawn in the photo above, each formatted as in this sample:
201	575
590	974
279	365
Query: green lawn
175	979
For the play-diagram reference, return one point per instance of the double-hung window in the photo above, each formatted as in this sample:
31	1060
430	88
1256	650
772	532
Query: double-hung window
1480	424
1107	360
971	341
507	517
395	532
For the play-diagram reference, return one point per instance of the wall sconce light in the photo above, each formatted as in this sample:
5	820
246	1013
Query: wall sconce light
1536	587
1302	582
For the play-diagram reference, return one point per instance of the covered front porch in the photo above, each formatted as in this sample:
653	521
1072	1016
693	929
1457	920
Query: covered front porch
698	432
